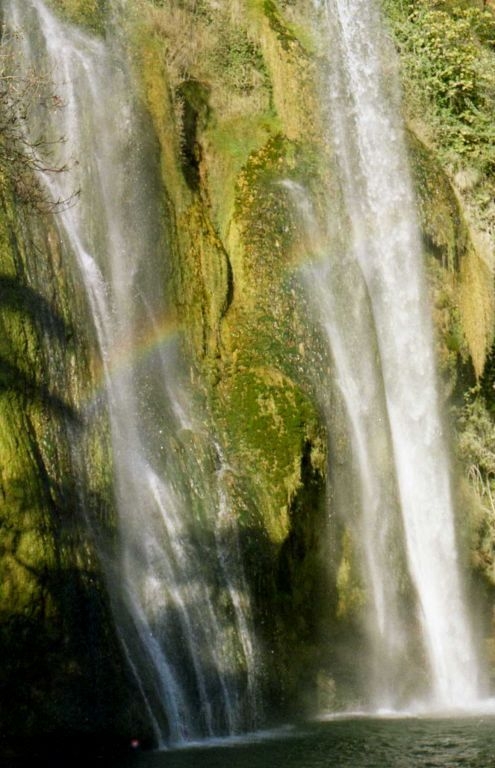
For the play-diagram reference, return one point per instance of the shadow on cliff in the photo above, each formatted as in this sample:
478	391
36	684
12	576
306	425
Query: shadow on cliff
39	326
62	664
14	379
22	299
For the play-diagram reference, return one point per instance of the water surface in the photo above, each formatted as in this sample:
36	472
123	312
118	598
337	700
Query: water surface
347	743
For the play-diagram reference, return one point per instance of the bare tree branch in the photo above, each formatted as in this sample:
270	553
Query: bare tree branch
23	158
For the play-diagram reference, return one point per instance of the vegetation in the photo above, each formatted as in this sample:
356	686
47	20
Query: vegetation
447	51
22	156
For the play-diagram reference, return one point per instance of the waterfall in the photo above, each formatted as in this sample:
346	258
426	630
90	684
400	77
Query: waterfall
195	664
372	303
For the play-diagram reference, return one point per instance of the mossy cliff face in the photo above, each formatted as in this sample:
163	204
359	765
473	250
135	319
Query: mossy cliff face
241	131
237	114
57	644
231	133
213	80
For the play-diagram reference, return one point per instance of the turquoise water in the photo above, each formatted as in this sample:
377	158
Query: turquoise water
346	743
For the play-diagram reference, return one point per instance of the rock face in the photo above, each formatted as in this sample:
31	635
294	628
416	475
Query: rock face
58	646
232	92
230	133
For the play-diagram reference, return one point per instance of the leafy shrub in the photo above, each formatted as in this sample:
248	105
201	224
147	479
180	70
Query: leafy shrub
447	56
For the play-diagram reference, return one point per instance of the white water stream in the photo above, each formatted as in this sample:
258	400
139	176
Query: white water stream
195	664
372	302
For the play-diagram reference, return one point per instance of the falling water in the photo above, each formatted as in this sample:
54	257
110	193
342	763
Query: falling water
195	666
371	297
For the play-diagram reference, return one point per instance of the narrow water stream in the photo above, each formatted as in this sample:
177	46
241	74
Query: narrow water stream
372	302
173	588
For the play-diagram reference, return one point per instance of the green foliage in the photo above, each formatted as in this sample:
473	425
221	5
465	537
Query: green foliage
447	57
238	59
476	444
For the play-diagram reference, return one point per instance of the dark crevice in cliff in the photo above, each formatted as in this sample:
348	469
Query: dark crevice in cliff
439	251
307	521
193	97
229	296
465	379
301	581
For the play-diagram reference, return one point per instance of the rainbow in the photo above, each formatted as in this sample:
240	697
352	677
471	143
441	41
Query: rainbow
155	336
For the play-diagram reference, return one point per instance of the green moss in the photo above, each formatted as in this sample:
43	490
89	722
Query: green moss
228	146
263	208
276	23
292	37
86	13
267	419
237	60
262	402
24	515
239	137
49	579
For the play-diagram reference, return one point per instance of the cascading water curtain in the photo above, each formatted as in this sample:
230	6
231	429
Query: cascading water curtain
181	604
372	303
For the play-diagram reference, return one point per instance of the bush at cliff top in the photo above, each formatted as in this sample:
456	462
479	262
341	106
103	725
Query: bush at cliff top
447	55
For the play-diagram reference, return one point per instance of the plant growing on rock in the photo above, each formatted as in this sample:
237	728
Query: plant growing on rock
446	50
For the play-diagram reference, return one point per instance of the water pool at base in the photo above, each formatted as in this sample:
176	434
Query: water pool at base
346	743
